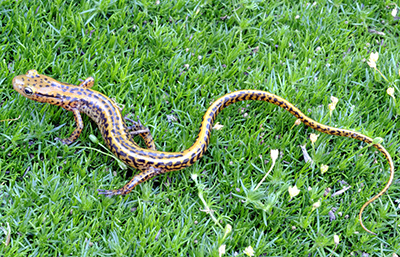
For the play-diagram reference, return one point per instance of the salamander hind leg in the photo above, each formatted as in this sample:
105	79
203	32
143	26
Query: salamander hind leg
136	180
138	129
87	83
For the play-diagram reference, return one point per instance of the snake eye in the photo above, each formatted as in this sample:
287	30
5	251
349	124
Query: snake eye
28	91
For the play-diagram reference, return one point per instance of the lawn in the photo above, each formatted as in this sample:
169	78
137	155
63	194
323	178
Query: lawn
166	61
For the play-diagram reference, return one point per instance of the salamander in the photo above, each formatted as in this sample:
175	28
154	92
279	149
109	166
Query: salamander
118	136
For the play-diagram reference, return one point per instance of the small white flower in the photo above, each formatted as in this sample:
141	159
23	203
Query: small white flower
274	154
313	137
228	229
331	107
324	168
373	58
390	91
249	251
218	126
316	205
293	191
194	176
394	12
221	250
336	239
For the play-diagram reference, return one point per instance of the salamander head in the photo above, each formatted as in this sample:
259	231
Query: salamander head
39	87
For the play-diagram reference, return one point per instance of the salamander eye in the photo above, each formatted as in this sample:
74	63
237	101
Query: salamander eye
28	91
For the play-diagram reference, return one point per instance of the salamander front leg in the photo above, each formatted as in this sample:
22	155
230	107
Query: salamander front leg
79	123
136	180
138	129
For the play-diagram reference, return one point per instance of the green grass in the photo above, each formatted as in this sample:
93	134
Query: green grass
175	58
